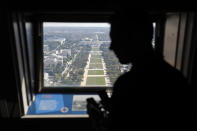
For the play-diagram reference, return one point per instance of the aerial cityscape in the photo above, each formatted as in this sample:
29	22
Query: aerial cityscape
79	56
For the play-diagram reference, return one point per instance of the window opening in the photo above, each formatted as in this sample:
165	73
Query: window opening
77	54
154	35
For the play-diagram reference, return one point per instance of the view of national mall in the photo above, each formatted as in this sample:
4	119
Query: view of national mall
79	55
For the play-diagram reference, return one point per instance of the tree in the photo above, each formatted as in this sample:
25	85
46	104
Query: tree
57	77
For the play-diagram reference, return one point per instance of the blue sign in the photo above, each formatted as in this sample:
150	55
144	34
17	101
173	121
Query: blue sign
49	104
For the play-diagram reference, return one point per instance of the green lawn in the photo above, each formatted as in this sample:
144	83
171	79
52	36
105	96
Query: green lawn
95	49
95	72
95	56
95	66
95	53
95	60
95	81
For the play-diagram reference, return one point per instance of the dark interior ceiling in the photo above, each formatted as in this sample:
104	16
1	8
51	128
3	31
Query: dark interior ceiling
96	5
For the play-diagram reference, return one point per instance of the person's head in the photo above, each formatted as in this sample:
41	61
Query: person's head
131	36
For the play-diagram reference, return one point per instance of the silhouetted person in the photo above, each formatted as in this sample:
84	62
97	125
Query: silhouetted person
152	95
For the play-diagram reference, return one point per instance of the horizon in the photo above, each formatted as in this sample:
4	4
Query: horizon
74	24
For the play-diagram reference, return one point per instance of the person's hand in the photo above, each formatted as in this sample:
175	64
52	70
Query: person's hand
96	115
93	109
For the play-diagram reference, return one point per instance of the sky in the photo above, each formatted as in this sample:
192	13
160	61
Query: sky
61	24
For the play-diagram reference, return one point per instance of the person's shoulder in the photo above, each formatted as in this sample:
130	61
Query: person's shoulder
174	74
125	78
122	87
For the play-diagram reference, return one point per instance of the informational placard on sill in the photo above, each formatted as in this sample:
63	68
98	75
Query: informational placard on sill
79	102
60	104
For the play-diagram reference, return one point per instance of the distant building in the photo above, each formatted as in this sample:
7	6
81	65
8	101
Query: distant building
125	68
63	41
53	59
48	62
46	79
86	41
46	76
54	52
46	48
65	52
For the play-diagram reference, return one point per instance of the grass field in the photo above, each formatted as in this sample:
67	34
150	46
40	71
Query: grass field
95	81
95	56
95	49
95	53
95	60
95	66
95	72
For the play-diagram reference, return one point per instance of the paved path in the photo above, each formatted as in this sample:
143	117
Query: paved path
86	75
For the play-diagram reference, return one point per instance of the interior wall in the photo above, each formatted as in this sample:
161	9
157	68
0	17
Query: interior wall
170	38
8	94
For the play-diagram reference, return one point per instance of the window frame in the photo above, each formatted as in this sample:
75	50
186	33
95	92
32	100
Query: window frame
82	17
20	56
38	19
28	87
